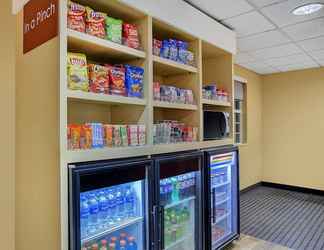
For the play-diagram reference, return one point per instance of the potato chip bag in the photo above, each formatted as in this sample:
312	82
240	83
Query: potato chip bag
117	80
134	81
75	135
108	135
95	23
86	137
77	72
76	17
131	36
98	79
114	29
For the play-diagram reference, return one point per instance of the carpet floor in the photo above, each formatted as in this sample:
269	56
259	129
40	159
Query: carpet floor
291	219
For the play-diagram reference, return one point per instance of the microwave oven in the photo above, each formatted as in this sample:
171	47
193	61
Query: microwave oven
216	125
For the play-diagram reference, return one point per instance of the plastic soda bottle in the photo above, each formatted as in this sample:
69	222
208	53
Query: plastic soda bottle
95	247
132	243
112	206
130	202
112	246
84	216
175	190
94	211
120	204
122	245
103	210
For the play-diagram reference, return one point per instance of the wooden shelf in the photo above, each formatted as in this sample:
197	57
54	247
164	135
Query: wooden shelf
216	103
174	105
101	98
164	66
98	47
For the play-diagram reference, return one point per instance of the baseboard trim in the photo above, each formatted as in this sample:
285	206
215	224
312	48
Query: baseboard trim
293	188
249	188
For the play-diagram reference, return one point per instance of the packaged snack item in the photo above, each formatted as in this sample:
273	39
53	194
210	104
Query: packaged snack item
189	97
98	78
174	94
132	135
77	72
134	81
182	52
114	29
117	80
95	23
97	135
75	135
108	135
141	135
181	95
117	141
157	45
156	91
165	93
86	137
165	50
76	17
123	135
173	50
190	58
130	36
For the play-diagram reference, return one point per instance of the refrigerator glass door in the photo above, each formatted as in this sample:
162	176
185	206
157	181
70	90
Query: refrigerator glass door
113	209
179	187
224	201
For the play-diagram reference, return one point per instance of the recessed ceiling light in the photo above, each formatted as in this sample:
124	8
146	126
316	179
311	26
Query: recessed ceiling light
307	9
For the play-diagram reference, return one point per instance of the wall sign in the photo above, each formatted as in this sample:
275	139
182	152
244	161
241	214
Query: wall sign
40	22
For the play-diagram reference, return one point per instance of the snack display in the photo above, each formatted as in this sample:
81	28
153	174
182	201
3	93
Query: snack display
98	135
175	50
98	78
76	17
77	72
134	81
117	80
131	36
211	92
173	132
114	29
95	23
170	94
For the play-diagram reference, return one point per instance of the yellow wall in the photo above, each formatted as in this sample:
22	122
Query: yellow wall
293	128
7	125
251	153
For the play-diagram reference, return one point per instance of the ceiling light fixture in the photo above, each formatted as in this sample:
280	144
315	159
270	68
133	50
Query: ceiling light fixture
307	9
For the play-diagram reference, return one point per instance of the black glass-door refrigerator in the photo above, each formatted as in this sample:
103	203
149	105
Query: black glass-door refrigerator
222	202
110	205
178	201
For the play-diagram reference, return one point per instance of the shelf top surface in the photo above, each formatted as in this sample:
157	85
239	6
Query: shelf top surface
164	66
159	104
216	103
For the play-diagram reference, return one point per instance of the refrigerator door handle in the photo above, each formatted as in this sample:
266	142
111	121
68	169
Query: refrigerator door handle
213	212
162	227
155	214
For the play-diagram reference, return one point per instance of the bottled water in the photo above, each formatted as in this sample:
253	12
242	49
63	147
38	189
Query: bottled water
94	212
175	190
132	243
112	206
84	216
120	204
130	201
103	210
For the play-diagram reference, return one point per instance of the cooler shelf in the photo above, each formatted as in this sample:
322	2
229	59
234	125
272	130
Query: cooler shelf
176	243
174	204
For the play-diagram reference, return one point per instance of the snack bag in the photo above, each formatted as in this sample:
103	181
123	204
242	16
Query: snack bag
173	50
117	141
114	29
182	52
131	36
141	135
134	81
95	23
108	135
117	80
86	137
98	78
75	135
157	45
132	131
123	135
165	50
156	91
77	72
76	17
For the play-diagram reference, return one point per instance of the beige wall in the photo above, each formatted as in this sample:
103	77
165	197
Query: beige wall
293	128
7	125
251	153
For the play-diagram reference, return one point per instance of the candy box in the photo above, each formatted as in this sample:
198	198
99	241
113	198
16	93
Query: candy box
157	45
174	94
86	137
76	17
117	80
181	95
132	135
165	93
95	23
141	135
131	36
77	72
123	135
108	135
189	96
114	29
98	78
74	136
97	135
182	52
156	91
165	50
173	50
190	58
134	81
117	140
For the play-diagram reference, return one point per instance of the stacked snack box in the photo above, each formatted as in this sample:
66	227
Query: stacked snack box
212	92
171	94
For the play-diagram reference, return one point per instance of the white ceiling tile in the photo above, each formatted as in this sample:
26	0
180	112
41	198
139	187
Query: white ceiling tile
249	24
321	63
306	30
288	60
312	44
259	67
298	66
244	57
263	40
317	55
278	51
262	3
223	9
281	14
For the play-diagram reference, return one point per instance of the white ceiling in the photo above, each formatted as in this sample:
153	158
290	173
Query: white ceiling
270	38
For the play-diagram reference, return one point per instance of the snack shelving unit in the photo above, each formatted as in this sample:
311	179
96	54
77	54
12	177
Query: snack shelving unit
58	103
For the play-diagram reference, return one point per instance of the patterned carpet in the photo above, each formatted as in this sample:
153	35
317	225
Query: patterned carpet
291	219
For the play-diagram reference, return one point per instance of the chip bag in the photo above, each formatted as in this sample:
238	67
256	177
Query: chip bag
131	36
74	136
77	72
117	80
86	137
108	135
95	23
114	29
76	17
98	78
134	81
